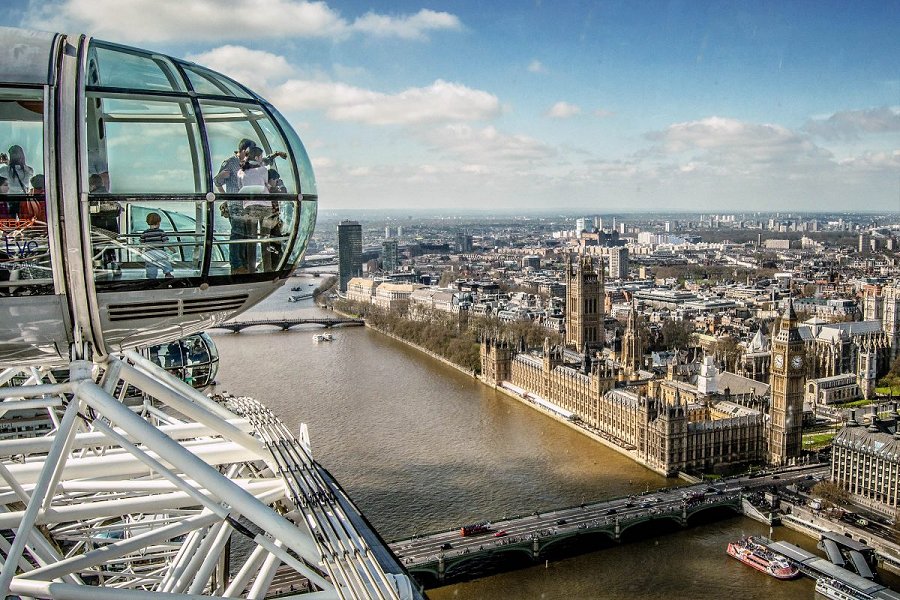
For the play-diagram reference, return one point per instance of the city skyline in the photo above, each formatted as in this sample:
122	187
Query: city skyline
601	108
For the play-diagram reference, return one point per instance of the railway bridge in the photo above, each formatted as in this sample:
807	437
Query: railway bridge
285	324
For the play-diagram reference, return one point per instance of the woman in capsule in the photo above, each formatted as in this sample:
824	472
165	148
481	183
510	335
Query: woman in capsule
17	171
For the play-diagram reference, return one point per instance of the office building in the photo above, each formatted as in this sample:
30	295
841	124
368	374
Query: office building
349	252
389	256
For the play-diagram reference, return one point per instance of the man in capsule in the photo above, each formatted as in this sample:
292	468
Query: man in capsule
228	182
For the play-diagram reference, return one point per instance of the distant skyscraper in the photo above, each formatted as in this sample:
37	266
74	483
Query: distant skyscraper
581	224
618	262
598	223
399	231
349	252
387	232
389	256
463	241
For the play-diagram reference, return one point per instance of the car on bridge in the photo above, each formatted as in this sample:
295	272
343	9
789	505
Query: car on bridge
500	533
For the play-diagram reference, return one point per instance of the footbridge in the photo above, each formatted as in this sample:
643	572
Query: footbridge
285	324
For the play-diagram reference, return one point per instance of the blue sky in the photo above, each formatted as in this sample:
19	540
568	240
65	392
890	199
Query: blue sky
591	106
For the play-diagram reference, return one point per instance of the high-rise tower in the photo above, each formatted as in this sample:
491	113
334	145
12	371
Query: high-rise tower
390	256
788	379
584	303
349	251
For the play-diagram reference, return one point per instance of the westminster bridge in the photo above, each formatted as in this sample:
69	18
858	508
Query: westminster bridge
515	542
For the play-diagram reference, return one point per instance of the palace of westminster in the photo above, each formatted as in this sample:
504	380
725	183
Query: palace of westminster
699	417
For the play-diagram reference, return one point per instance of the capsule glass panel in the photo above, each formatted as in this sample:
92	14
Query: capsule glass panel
144	146
308	210
226	126
298	151
24	245
210	83
118	67
251	235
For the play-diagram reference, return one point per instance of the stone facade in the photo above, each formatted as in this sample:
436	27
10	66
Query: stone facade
584	304
865	461
788	379
668	426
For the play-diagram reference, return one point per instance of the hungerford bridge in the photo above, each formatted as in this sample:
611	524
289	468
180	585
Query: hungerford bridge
285	324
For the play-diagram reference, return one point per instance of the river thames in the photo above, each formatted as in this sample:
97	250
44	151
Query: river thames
421	447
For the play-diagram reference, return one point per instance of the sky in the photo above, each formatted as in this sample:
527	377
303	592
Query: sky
526	106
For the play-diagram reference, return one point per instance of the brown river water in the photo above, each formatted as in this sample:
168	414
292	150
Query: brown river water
421	447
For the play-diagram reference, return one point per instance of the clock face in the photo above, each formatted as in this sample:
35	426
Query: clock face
797	362
779	360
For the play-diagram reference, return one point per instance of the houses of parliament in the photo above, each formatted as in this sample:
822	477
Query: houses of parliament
687	420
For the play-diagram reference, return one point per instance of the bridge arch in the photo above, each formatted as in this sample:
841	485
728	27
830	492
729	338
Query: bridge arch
581	537
673	517
492	560
706	508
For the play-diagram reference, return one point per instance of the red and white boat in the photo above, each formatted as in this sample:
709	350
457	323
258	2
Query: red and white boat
752	553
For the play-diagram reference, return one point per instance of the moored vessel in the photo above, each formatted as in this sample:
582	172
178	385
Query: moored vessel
832	588
754	554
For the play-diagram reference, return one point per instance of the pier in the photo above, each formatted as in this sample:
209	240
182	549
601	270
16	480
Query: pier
285	324
816	567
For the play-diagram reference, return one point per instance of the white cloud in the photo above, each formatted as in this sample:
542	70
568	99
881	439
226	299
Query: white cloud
724	141
411	27
253	68
851	124
602	113
441	101
211	20
563	110
536	66
873	161
487	145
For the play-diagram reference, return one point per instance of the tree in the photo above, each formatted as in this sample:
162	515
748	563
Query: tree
830	492
676	334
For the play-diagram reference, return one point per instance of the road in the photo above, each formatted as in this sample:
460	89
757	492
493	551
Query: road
430	547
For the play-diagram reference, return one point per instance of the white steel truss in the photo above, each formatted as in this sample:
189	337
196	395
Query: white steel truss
125	482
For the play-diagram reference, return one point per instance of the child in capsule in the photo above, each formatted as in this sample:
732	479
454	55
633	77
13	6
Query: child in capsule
154	240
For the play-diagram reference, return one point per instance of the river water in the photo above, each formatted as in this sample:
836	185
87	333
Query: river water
421	447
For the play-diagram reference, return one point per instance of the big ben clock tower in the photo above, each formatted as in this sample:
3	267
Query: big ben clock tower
788	379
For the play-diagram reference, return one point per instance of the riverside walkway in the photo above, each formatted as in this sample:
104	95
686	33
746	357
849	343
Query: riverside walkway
285	324
536	537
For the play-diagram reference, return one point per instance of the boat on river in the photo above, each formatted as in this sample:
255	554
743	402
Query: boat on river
752	553
323	337
832	588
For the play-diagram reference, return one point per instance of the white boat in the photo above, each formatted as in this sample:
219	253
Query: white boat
327	337
832	588
318	338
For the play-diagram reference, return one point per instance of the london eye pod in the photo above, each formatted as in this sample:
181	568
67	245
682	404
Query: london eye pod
127	219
